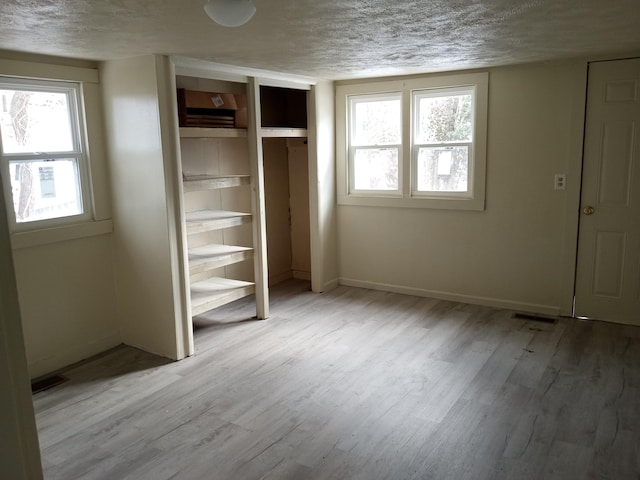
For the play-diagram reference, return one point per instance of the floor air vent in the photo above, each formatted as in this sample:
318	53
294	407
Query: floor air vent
42	384
535	318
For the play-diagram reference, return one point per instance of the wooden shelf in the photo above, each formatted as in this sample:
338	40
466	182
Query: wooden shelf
204	132
283	132
215	292
194	183
203	260
209	220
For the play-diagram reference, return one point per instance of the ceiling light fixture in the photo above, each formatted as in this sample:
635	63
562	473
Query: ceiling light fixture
230	13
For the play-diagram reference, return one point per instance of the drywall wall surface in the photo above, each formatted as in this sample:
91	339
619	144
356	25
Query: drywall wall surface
144	239
67	301
299	207
276	189
322	187
513	253
20	458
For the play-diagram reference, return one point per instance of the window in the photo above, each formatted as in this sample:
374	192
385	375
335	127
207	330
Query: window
375	149
443	140
418	142
42	151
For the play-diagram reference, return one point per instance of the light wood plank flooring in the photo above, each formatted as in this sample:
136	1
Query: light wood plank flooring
356	384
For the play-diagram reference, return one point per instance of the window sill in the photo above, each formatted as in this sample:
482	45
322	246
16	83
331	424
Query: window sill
448	203
65	233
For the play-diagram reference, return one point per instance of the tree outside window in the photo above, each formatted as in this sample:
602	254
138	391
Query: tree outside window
443	137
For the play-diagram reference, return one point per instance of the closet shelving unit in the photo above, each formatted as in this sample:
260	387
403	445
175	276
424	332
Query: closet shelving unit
208	284
224	264
155	192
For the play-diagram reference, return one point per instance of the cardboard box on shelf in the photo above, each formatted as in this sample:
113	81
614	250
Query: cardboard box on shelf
241	112
206	109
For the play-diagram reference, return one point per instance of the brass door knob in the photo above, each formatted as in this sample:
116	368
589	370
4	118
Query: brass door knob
588	210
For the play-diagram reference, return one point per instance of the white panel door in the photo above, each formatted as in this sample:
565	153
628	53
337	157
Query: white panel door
608	271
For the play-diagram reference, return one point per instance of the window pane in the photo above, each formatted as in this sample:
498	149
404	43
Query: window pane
443	169
45	189
376	122
375	169
34	121
444	119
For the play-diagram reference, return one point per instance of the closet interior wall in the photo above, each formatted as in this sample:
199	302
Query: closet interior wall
286	175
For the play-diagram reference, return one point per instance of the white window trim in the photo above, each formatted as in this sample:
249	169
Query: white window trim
383	193
75	96
472	200
416	95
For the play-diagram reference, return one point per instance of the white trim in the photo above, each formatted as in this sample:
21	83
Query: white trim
416	146
477	171
301	275
574	176
322	166
352	103
35	238
170	141
193	67
48	71
280	277
303	84
455	297
258	223
447	203
77	118
331	284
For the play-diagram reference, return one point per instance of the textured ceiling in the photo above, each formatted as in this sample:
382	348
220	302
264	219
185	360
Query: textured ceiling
331	39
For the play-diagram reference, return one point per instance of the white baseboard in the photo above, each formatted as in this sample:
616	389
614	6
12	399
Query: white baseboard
455	297
279	278
327	286
300	275
43	366
331	284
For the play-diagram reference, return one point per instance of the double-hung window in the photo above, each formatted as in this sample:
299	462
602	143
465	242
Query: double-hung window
44	164
375	147
416	142
442	141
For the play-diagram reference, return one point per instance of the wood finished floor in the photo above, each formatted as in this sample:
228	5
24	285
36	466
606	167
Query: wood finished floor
356	384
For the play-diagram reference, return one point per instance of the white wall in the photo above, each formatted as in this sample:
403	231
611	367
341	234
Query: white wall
65	276
141	125
298	155
67	300
286	174
276	193
20	457
517	251
322	187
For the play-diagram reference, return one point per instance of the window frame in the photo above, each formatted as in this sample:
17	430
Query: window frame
352	101
416	96
410	197
74	94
